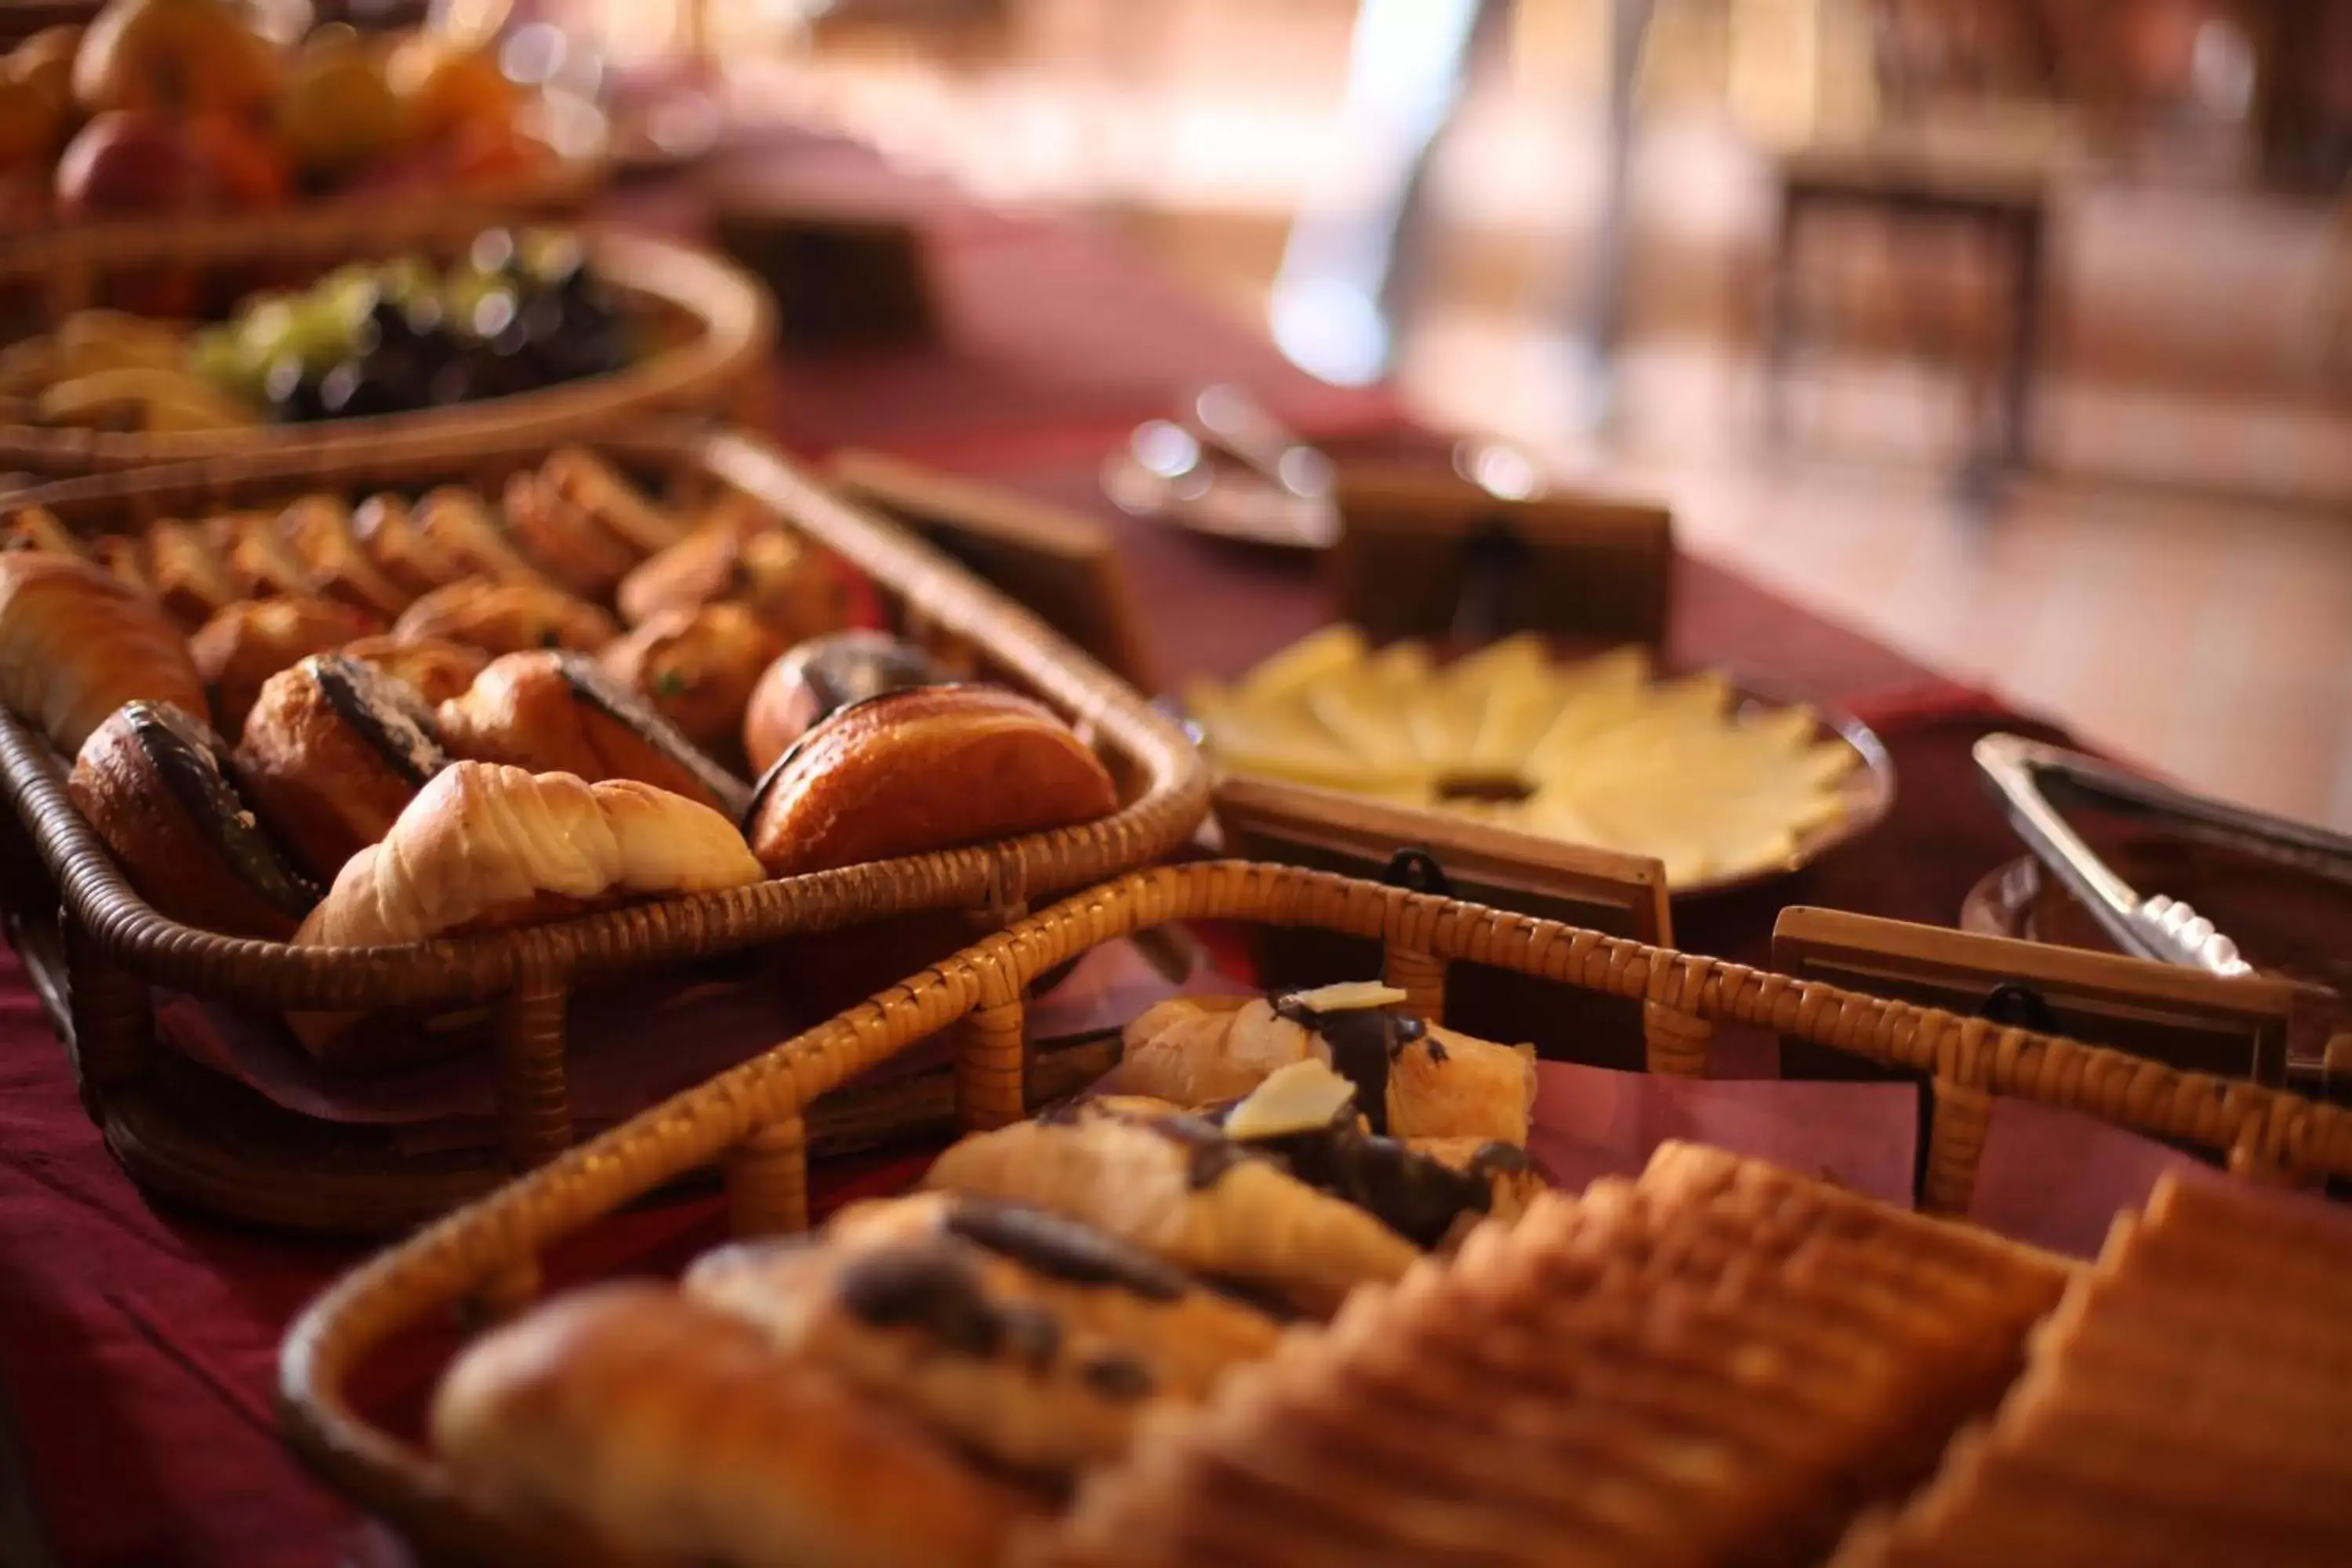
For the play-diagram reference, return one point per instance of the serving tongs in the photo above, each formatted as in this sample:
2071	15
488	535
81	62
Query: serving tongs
2034	780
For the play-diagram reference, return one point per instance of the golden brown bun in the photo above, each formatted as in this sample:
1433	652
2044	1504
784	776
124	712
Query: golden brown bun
387	532
675	1433
185	574
506	617
332	754
696	667
485	846
153	783
557	712
433	669
821	675
77	642
318	530
930	769
743	555
253	639
459	521
565	543
588	482
38	528
256	556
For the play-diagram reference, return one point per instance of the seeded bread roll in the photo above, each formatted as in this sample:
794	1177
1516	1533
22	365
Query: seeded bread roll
506	617
559	712
696	667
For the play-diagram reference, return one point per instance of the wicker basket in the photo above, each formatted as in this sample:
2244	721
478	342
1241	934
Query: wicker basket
748	1123
97	959
727	326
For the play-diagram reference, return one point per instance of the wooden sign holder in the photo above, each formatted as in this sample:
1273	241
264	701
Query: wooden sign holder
1057	564
2183	1018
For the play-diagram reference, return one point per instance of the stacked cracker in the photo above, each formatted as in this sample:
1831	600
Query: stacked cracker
1720	1363
2191	1402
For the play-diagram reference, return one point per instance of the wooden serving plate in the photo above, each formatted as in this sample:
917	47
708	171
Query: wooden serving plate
715	325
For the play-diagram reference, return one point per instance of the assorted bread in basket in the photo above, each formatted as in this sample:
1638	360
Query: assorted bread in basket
269	716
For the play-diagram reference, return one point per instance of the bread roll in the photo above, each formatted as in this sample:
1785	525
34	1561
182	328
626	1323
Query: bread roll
506	617
77	642
387	532
153	782
674	1433
588	483
318	530
485	845
185	574
696	667
259	562
332	754
433	669
824	675
253	639
565	543
559	712
744	555
915	771
459	521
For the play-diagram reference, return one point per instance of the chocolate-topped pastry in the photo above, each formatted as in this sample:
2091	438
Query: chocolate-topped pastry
1362	1041
332	752
1193	1197
1413	1079
1030	1338
153	782
560	712
935	767
822	676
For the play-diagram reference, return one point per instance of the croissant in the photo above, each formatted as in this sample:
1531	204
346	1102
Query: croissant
184	575
1180	1190
386	530
668	1432
259	562
796	587
458	521
561	541
77	642
485	844
1413	1080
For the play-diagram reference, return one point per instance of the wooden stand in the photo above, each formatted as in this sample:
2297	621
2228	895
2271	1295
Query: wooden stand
2182	1018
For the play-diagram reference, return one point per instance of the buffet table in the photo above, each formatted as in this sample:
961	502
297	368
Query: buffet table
137	1343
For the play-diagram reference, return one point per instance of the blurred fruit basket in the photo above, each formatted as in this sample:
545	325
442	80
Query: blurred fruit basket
156	109
331	332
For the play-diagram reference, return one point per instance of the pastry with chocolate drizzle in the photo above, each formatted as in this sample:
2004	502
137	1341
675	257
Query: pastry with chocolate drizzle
332	752
1035	1342
1413	1079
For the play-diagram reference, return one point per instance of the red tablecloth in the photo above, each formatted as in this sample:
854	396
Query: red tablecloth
137	1342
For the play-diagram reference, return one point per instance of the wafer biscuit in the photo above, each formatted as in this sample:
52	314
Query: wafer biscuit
1718	1363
